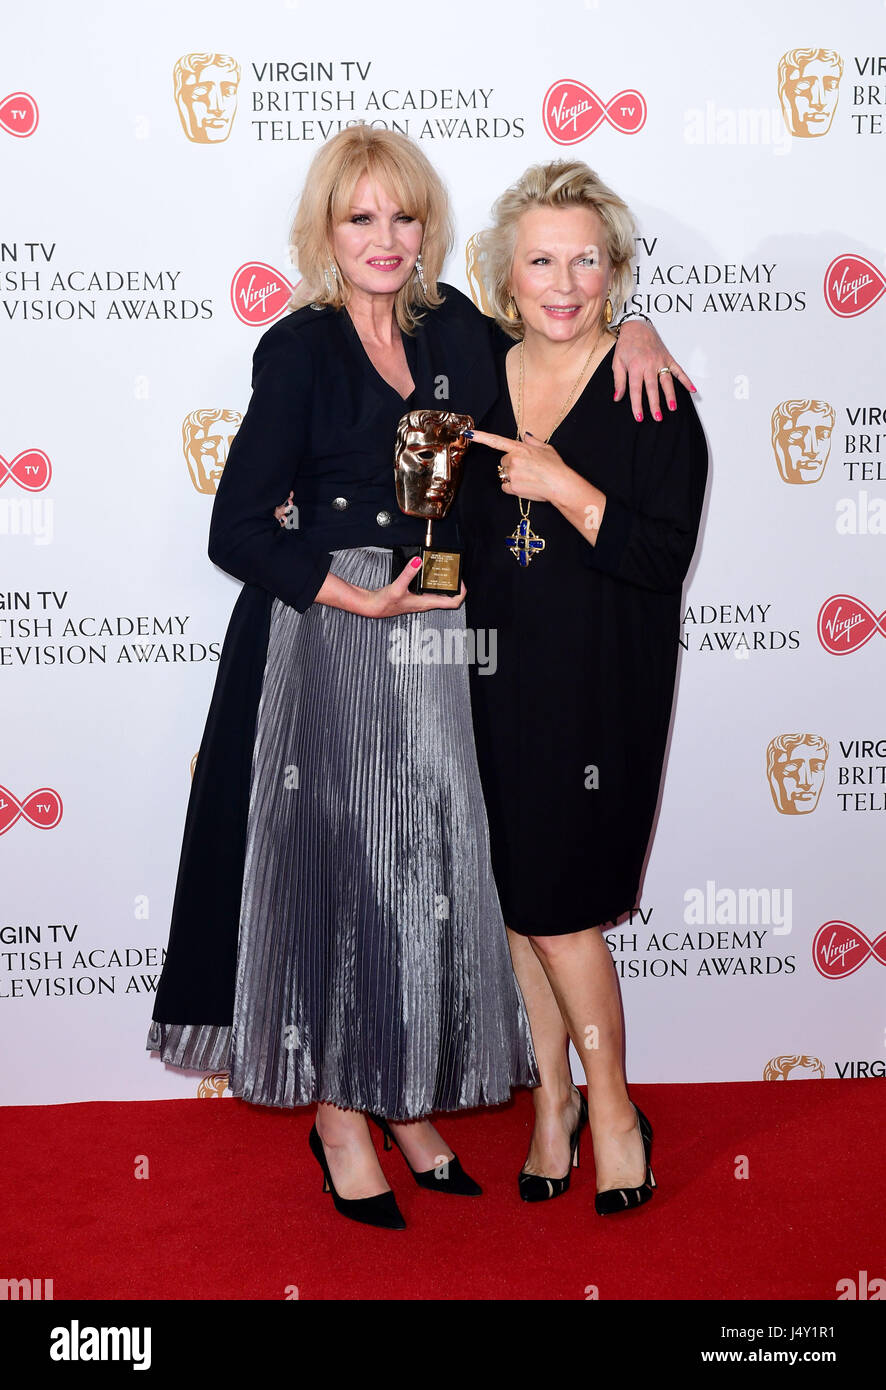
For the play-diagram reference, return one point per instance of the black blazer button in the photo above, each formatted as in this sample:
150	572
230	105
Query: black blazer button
340	504
383	518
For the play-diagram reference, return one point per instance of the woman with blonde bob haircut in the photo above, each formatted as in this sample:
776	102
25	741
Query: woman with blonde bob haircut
560	185
579	520
335	870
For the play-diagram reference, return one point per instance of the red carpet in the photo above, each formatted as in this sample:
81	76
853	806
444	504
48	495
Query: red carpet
233	1207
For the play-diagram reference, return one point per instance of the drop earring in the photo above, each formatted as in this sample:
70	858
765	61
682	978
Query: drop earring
330	279
607	311
420	272
511	310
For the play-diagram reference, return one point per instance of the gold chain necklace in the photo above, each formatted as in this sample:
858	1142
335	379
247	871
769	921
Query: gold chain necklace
524	544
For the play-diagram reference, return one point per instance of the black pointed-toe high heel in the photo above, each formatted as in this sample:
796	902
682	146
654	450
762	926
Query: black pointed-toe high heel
381	1210
534	1188
613	1199
448	1177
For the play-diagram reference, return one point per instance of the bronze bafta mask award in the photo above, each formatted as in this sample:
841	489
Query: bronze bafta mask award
427	472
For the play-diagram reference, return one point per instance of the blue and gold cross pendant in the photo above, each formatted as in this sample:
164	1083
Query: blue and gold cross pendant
524	544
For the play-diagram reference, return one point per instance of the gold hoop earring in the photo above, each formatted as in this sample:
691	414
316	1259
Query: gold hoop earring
607	311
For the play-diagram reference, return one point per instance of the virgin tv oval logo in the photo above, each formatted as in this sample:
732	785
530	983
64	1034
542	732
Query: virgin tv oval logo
31	469
846	623
571	111
839	949
852	285
19	115
259	293
43	809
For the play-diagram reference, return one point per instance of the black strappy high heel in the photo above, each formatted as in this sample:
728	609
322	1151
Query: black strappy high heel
534	1188
381	1210
613	1199
447	1177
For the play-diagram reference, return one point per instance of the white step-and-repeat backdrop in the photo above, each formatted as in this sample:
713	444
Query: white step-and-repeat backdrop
151	160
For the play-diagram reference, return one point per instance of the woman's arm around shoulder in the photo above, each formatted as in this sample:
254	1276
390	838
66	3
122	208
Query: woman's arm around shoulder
650	540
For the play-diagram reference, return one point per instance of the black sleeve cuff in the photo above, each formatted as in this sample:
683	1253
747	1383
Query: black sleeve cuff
317	564
612	537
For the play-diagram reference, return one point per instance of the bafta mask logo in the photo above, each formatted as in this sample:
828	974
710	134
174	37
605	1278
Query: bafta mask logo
808	89
795	765
213	1086
475	281
207	436
780	1068
206	95
801	439
428	455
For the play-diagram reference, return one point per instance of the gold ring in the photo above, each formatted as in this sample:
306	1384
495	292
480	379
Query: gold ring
661	370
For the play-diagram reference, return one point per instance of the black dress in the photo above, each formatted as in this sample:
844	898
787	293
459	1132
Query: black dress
571	727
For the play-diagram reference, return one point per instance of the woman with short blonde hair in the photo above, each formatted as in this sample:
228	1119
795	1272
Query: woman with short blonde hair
559	185
580	522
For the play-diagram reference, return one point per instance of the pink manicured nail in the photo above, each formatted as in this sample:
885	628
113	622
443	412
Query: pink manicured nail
638	417
615	397
658	415
416	562
672	405
693	388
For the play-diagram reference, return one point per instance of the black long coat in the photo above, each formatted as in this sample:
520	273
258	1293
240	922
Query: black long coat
322	426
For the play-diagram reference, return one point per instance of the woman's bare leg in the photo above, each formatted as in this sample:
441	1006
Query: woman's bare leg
582	978
556	1103
350	1153
421	1144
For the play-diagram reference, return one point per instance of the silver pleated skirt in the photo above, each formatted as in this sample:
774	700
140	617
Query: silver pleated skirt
373	969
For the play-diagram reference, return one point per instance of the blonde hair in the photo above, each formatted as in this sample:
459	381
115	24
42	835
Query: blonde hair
405	173
560	184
